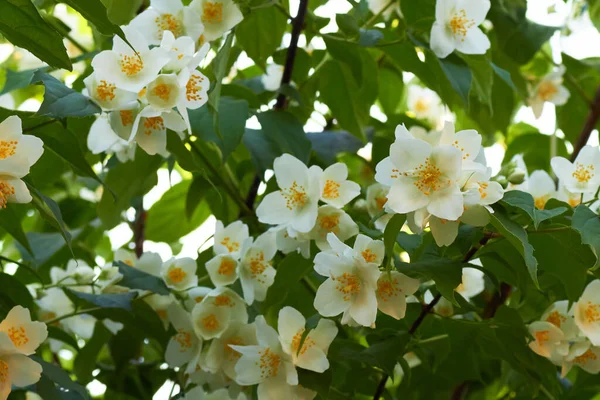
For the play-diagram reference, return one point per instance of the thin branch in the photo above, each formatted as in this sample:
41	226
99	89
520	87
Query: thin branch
139	228
588	128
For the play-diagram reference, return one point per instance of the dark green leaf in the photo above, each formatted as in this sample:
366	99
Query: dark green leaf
391	232
289	272
384	354
587	223
15	291
23	26
57	333
16	80
137	279
328	144
260	33
294	141
459	75
347	24
50	211
85	361
108	300
11	223
59	376
446	273
61	101
95	12
525	202
122	12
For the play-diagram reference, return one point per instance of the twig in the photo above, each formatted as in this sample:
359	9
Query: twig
588	128
281	103
139	228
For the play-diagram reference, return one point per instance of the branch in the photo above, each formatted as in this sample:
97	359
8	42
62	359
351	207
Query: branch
590	123
429	307
139	228
281	103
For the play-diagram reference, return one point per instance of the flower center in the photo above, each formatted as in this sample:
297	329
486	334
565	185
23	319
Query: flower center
460	24
8	148
542	336
168	22
233	355
223	300
381	202
184	339
269	363
105	91
212	12
582	173
6	191
547	90
126	117
556	319
3	372
152	124
329	223
162	91
331	189
348	284
585	357
227	267
369	256
308	343
131	65
18	335
540	202
428	177
483	189
210	322
295	196
231	245
387	289
421	105
592	312
193	88
177	275
258	265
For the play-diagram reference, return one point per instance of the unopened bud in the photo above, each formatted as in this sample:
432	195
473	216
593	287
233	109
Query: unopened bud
517	176
501	179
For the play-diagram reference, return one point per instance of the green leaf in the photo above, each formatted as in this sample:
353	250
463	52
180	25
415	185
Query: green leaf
195	195
61	101
95	12
22	25
525	202
15	292
108	300
127	180
261	32
347	24
419	15
483	77
16	80
233	114
11	223
328	144
57	333
369	37
517	236
446	273
289	272
136	279
85	361
384	354
587	223
122	12
50	211
391	232
59	376
172	207
44	246
391	89
535	148
294	141
262	149
459	75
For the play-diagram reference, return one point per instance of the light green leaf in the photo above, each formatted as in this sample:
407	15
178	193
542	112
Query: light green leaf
11	223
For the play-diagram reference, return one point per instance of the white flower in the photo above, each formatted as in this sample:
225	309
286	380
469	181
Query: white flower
171	16
150	263
103	138
472	283
541	187
332	220
376	200
272	79
392	290
229	240
18	153
267	365
180	274
561	316
443	307
289	240
456	27
163	92
107	95
479	190
220	356
422	176
550	89
585	356
181	51
350	286
313	353
336	189
255	269
218	16
296	203
547	337
196	295
150	129
185	344
25	334
582	176
128	69
587	312
55	303
425	105
222	270
160	304
16	369
198	393
219	308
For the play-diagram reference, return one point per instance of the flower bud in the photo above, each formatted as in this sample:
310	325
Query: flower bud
517	176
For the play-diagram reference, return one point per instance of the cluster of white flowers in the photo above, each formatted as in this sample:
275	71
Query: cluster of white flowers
550	89
439	179
571	336
147	88
578	181
19	338
18	153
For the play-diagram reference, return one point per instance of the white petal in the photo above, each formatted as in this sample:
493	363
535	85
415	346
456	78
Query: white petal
408	154
329	301
475	42
405	197
447	203
441	42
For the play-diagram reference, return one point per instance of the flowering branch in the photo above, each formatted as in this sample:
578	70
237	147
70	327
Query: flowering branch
590	123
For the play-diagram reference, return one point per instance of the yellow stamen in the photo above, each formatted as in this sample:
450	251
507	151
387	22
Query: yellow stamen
212	13
331	190
177	275
7	148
